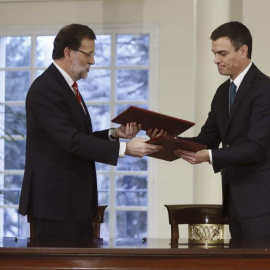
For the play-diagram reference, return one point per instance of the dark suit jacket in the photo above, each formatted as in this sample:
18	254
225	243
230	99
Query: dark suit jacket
61	150
244	158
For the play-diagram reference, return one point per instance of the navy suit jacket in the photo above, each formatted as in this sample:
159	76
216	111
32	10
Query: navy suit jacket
61	149
244	158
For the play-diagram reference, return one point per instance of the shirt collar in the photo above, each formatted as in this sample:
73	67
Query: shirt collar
68	79
241	76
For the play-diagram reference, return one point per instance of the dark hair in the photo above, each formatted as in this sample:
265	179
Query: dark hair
237	33
71	36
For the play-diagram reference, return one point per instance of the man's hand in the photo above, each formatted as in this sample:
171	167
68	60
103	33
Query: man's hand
153	133
138	148
128	131
192	157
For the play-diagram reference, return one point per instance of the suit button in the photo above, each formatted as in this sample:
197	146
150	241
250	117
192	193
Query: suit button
227	145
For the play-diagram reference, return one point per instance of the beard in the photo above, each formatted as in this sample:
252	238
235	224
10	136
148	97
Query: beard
83	74
79	71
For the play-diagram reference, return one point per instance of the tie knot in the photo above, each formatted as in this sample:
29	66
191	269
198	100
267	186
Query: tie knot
233	86
74	85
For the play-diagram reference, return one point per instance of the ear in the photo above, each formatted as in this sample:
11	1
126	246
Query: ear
244	51
67	53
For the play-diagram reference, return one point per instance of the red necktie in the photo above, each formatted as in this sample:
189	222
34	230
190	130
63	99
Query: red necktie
76	90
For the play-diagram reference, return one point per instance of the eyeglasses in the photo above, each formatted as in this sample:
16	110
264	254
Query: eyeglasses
89	55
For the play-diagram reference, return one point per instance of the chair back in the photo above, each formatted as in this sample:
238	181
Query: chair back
204	220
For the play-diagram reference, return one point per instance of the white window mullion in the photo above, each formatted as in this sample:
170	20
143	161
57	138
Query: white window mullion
2	123
112	213
33	58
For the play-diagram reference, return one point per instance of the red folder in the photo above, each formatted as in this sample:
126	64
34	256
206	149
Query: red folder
170	144
150	120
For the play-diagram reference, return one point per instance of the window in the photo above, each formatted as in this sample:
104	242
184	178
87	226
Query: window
122	76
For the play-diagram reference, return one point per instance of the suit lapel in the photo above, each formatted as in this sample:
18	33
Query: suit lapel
72	98
86	113
226	101
82	110
241	92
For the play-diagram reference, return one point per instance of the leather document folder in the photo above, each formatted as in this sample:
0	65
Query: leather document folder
170	144
150	120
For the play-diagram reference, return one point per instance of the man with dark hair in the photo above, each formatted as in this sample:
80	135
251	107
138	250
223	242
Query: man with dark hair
237	33
59	188
241	123
71	36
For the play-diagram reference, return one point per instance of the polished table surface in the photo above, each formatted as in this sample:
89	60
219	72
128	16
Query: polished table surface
130	254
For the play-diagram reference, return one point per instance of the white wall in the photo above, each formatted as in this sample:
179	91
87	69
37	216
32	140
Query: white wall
256	17
179	52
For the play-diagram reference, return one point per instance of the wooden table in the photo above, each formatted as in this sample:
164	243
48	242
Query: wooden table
128	254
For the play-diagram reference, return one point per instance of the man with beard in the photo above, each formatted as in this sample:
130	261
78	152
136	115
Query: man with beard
59	189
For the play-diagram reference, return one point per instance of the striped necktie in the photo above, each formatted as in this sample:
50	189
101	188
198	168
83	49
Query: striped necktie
76	91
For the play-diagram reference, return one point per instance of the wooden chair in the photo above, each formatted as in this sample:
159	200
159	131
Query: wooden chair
98	219
205	221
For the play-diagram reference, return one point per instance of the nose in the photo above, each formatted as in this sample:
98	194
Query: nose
91	61
216	59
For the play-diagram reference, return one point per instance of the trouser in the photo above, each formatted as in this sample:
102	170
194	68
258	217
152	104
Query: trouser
248	228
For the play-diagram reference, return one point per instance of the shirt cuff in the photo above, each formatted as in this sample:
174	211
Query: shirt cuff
210	157
122	149
110	135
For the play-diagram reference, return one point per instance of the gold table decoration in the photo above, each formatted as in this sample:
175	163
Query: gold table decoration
206	233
